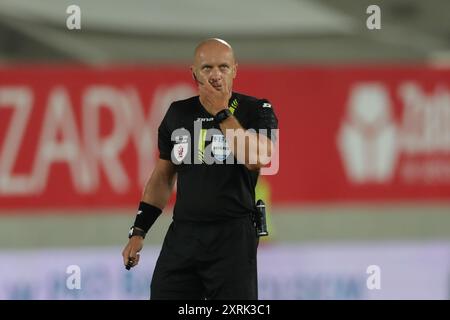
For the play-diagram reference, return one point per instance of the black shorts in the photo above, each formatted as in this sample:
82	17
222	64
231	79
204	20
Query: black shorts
207	261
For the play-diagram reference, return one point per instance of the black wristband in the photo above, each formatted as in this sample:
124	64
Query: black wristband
146	216
134	231
222	115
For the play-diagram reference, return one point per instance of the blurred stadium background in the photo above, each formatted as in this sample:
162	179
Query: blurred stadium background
364	170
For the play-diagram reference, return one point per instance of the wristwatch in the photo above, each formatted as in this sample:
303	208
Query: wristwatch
222	115
135	232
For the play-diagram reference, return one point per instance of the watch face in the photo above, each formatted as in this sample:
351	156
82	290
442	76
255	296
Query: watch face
130	233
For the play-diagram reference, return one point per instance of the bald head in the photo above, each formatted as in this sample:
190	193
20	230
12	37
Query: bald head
213	44
214	62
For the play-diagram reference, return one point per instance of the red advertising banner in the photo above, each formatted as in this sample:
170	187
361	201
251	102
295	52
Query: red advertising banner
77	137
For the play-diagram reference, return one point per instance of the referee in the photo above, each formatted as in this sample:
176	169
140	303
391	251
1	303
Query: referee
205	143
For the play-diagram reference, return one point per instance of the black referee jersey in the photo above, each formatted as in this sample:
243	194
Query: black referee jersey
211	185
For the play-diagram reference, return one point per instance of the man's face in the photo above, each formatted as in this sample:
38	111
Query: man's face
215	63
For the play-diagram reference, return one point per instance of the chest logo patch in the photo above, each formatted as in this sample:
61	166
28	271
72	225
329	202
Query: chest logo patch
180	149
219	147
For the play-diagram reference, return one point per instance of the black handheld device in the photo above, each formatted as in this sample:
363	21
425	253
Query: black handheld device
260	219
129	264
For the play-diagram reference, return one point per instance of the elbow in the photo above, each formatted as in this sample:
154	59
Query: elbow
261	162
258	153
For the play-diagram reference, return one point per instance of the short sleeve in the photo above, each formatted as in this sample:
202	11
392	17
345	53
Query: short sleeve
264	118
164	139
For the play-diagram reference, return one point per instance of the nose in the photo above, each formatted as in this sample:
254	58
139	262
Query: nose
215	75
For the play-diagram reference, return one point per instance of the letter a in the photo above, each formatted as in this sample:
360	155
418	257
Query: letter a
74	20
374	20
374	280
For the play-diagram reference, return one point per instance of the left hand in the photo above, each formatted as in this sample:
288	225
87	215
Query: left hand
212	99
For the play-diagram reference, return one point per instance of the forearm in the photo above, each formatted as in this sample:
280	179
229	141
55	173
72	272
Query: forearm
158	189
252	149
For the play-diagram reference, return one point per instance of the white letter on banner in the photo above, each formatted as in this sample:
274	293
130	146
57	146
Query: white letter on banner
59	118
106	150
20	99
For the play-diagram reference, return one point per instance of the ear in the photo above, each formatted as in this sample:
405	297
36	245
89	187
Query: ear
193	73
235	70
